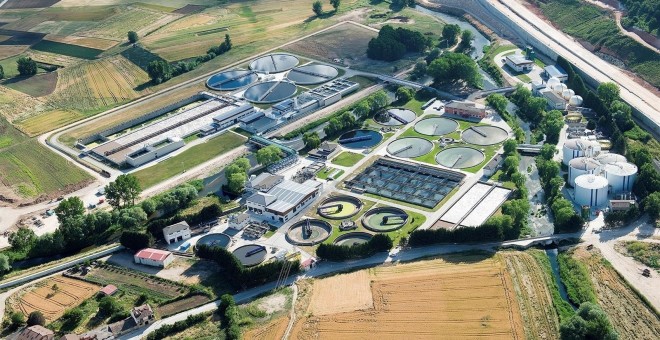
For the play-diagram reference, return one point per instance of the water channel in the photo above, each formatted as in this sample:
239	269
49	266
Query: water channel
554	264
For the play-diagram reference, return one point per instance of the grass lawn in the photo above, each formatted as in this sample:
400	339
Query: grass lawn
505	183
524	78
194	156
347	158
325	173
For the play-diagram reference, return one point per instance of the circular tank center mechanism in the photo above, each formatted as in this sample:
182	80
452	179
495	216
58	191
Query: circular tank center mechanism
384	219
360	139
459	158
436	126
395	117
409	147
274	63
484	135
308	232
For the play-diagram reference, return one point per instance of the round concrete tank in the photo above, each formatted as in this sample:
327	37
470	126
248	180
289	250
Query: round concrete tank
607	158
580	166
591	190
620	176
576	147
552	82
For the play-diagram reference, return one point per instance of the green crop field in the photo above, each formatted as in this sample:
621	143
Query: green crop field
67	49
192	157
595	25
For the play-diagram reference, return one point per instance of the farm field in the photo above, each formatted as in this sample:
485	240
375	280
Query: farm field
457	296
189	158
86	89
131	18
93	43
631	317
53	296
66	49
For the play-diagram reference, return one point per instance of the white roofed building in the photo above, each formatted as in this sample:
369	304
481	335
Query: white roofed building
176	232
284	200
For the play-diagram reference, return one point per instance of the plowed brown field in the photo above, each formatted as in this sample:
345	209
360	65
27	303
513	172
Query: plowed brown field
631	318
68	294
457	296
342	293
272	330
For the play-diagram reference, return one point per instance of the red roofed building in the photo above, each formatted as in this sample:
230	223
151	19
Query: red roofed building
108	290
154	257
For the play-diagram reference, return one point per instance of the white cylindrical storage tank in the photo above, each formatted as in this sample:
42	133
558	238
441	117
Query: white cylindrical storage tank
559	88
591	190
580	166
577	147
575	101
567	94
620	176
552	82
607	158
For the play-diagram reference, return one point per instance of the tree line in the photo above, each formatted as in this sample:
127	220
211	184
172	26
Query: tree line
392	44
337	253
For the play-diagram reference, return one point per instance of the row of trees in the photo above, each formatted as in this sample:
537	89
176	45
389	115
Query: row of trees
392	44
450	34
333	252
452	68
161	71
499	103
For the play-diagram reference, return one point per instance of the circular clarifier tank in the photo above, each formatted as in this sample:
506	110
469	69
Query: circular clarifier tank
459	158
384	219
312	74
251	254
409	147
215	240
308	232
351	239
360	139
395	117
436	126
484	135
270	91
274	63
231	80
339	207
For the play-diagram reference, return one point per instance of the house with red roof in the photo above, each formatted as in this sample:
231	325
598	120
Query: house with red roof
154	257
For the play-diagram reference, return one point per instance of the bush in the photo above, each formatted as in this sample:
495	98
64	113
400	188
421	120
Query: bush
392	44
135	240
179	326
17	319
71	319
575	276
36	318
489	231
333	252
132	37
109	306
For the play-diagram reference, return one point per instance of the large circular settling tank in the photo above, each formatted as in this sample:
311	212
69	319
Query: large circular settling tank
384	219
251	254
270	91
395	117
360	139
436	126
484	135
409	147
351	239
459	158
231	80
312	74
308	232
339	207
274	63
215	240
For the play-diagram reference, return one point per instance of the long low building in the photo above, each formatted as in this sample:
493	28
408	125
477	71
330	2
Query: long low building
166	135
284	200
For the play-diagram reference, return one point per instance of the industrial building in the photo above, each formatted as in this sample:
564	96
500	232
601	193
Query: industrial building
284	200
155	140
555	71
580	166
312	100
574	148
591	190
153	257
519	63
466	109
324	152
176	232
554	100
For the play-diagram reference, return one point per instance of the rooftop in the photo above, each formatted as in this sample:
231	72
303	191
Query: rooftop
35	332
285	195
519	59
464	105
153	254
183	225
266	181
109	289
555	71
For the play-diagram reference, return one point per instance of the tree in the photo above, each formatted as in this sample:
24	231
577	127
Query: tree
454	67
466	39
362	109
608	92
317	7
269	155
17	319
552	124
589	322
26	66
450	34
404	94
548	151
71	319
2	72
379	100
236	182
131	217
123	191
510	147
159	71
419	70
132	37
651	205
69	207
21	239
226	301
109	306
5	267
311	140
335	4
36	318
148	206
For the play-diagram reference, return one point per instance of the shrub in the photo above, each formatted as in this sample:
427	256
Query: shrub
36	318
333	252
71	319
135	240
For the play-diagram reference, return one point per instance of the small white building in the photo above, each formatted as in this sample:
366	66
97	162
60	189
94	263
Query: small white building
284	200
519	63
176	232
154	257
554	100
238	221
555	71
